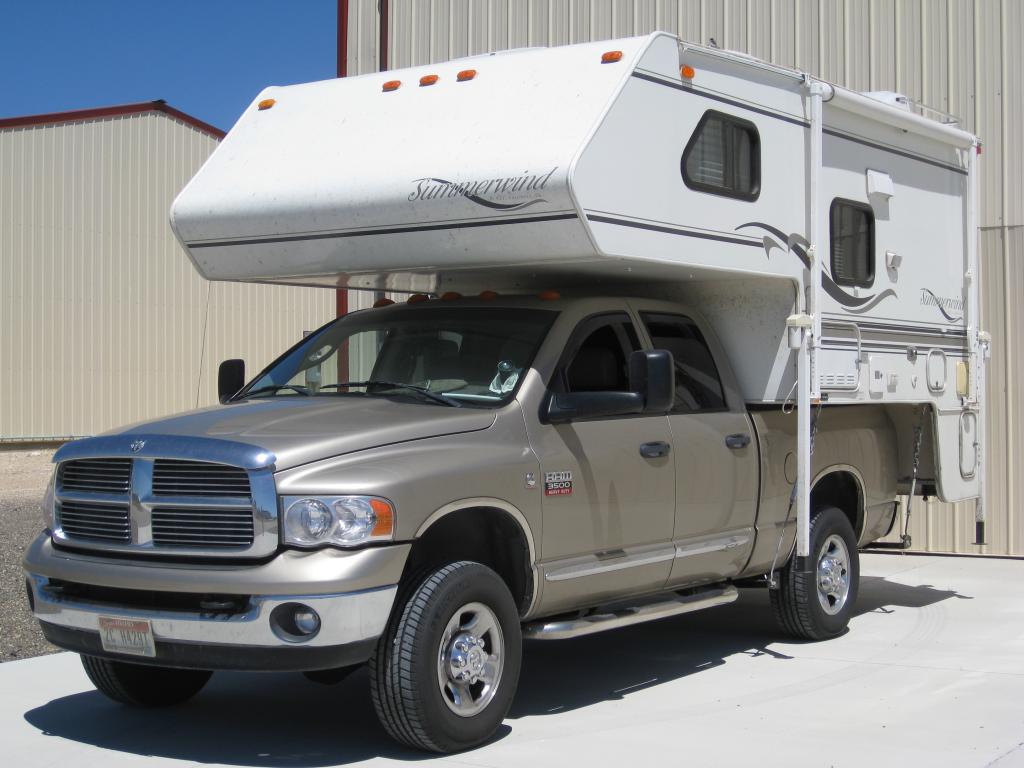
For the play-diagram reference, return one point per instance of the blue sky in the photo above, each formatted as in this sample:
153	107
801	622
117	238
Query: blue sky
205	58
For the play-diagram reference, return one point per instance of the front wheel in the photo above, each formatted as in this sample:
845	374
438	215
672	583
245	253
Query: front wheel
446	668
816	602
142	685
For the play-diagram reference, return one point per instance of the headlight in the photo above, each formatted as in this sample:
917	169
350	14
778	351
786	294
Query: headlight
316	521
48	501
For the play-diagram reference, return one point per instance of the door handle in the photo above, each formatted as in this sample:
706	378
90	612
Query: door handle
655	450
737	441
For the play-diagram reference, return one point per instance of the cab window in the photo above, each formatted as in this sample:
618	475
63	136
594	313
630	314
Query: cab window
698	385
597	359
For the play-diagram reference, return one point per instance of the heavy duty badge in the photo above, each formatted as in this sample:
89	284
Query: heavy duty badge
557	483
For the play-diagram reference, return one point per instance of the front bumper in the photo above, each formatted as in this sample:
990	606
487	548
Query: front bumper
352	592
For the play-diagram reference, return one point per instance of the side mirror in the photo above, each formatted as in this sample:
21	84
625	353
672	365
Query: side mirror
230	378
653	376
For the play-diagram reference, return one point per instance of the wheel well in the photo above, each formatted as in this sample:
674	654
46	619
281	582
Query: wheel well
840	489
485	535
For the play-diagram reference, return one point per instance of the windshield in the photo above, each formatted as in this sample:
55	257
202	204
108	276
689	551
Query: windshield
440	355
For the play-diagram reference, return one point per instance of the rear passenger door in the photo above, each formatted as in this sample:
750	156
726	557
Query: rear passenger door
715	458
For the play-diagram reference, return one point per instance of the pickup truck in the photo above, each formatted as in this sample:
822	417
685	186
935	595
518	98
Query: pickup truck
421	485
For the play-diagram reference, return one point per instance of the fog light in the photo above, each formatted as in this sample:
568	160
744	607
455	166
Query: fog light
306	621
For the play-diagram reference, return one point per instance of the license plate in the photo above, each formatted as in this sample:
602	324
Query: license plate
131	636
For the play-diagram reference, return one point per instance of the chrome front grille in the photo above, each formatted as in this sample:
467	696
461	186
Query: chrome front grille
175	477
98	522
186	527
96	475
155	498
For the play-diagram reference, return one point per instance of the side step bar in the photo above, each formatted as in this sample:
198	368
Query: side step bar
672	605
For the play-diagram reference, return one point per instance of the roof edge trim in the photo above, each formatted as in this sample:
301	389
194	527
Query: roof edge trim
114	111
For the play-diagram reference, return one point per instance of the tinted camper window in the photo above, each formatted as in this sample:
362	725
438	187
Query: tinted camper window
852	230
723	157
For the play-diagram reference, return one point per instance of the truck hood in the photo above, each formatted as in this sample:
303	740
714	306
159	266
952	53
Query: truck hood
300	430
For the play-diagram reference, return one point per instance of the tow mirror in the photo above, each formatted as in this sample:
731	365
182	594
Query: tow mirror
653	376
230	378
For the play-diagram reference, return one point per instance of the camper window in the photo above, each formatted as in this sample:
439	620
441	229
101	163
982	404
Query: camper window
723	157
698	387
852	230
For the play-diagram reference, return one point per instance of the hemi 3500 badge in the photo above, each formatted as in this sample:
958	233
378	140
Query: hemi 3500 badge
557	483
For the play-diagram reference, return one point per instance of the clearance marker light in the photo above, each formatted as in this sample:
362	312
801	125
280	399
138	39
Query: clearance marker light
451	296
488	295
429	79
391	85
610	57
416	298
266	104
687	72
382	303
550	295
466	74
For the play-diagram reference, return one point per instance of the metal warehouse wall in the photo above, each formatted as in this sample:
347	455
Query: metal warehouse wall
959	56
103	320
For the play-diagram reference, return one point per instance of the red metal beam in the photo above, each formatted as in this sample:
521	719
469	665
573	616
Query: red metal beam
117	110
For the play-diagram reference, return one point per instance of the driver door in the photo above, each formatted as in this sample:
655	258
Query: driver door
608	510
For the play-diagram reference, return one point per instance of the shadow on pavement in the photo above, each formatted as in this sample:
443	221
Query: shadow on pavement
283	720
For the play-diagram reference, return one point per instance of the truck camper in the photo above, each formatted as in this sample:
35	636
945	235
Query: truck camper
659	321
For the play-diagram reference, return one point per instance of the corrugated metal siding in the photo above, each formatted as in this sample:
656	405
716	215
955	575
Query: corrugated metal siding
958	56
102	316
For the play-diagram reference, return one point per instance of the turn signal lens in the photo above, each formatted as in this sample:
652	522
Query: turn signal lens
382	303
466	74
384	527
610	57
687	71
429	79
391	85
266	104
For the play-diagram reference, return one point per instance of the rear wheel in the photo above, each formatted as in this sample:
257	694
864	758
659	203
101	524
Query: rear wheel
141	685
446	669
816	602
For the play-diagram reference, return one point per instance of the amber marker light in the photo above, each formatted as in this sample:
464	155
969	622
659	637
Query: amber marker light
382	303
416	298
687	72
550	295
266	104
451	296
429	79
385	514
391	85
488	295
466	74
610	57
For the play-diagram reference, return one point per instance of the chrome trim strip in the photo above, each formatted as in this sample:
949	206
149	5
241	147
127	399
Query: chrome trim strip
347	617
711	545
595	567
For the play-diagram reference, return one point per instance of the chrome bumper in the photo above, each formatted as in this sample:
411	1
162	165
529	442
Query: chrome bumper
351	591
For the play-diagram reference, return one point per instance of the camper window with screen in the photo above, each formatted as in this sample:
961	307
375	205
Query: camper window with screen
723	157
852	228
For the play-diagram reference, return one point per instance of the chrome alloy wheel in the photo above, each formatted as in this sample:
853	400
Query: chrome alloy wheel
470	659
833	574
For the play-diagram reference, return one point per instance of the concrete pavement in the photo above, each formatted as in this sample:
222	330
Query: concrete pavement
930	673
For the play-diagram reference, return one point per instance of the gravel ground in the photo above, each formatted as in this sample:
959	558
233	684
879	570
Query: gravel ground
23	477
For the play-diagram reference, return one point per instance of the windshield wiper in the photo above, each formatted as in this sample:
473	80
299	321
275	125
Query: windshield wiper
276	388
437	397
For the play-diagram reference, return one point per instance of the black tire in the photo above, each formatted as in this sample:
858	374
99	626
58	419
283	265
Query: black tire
404	669
797	605
141	685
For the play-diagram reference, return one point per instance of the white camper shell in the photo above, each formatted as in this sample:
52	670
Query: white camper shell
829	237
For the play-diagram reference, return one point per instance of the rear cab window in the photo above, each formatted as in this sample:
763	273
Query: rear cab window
698	384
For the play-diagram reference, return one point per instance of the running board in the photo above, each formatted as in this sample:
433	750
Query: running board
673	605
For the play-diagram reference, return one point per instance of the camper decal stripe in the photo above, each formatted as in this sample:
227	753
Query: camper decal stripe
894	151
722	99
673	231
386	231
